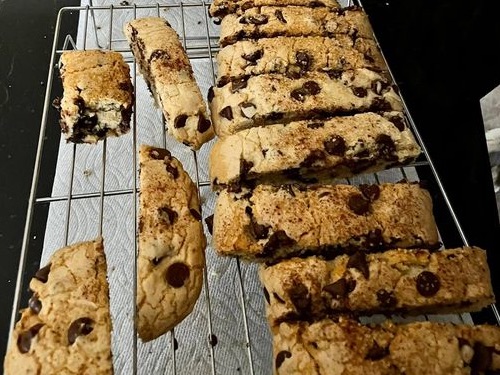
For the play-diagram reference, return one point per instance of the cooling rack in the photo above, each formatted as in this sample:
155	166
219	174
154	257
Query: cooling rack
96	193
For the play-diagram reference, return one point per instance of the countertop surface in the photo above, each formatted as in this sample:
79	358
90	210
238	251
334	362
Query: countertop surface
443	54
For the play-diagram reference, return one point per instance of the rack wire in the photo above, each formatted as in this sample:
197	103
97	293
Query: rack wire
248	351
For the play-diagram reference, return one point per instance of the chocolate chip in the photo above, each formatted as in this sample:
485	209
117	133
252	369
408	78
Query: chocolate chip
360	92
275	116
428	283
172	170
335	145
315	125
253	57
398	123
386	299
377	352
333	73
247	5
213	340
303	60
313	157
245	167
281	356
210	94
167	215
80	327
300	298
386	147
259	231
80	103
340	288
278	298
124	86
279	15
159	154
379	86
380	105
312	87
278	239
43	274
372	192
227	113
203	123
463	342
239	84
315	4
35	304
177	274
482	358
358	261
210	223
267	296
195	214
248	110
358	204
156	260
258	19
299	94
24	338
180	121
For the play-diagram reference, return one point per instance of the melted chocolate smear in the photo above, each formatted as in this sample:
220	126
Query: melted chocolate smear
80	327
377	352
314	156
177	274
482	358
278	239
172	170
43	273
253	57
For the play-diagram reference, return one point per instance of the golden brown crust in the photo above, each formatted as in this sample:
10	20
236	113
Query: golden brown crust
272	21
312	150
269	223
67	329
166	67
349	348
98	95
396	281
171	244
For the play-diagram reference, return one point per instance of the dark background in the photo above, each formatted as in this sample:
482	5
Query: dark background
444	55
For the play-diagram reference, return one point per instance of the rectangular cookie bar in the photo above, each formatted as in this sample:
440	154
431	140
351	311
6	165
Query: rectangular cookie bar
67	327
98	95
312	150
345	347
168	72
294	56
396	281
221	8
275	98
269	222
171	244
272	21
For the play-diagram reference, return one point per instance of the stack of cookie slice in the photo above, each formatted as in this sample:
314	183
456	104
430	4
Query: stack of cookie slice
303	98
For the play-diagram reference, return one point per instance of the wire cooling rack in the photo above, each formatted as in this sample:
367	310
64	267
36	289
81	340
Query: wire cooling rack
98	186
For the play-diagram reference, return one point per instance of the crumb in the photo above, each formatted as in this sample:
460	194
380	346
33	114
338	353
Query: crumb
87	172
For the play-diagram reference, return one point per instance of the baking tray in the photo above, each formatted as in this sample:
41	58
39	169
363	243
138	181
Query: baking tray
96	191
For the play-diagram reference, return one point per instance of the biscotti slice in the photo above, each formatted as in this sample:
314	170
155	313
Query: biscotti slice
294	56
312	150
171	244
269	223
396	281
275	98
272	21
345	347
67	327
168	72
221	8
98	95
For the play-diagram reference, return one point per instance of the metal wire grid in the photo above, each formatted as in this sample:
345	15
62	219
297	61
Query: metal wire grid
202	46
